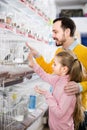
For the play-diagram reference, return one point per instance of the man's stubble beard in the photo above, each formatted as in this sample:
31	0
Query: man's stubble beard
61	42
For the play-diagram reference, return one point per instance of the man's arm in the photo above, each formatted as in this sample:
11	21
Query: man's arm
40	60
74	88
46	66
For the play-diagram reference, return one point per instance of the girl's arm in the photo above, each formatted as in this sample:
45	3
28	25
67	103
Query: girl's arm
45	76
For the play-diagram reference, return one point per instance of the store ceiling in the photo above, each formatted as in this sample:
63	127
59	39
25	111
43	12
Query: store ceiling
70	2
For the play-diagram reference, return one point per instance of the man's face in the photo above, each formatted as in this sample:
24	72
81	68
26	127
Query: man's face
58	34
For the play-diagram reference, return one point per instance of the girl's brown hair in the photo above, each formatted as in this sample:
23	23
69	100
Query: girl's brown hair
75	71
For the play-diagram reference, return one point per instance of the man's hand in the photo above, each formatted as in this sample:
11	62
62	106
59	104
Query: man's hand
72	88
34	52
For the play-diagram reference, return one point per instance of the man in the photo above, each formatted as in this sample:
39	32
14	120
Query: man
63	33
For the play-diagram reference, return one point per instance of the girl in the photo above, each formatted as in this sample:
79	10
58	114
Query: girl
65	112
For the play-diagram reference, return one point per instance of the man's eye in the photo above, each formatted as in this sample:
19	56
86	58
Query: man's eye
56	32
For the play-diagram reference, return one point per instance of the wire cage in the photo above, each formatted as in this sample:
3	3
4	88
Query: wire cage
12	110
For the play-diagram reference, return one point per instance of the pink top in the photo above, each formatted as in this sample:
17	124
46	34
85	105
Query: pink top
61	106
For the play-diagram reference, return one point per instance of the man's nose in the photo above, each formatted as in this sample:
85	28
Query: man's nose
53	36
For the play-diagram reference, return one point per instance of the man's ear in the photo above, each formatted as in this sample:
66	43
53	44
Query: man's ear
68	32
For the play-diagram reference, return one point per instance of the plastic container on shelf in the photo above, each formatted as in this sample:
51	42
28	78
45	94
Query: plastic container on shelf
32	103
8	20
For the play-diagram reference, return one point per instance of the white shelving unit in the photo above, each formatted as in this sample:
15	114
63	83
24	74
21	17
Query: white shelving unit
21	21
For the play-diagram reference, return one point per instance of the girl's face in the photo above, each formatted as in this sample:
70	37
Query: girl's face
58	68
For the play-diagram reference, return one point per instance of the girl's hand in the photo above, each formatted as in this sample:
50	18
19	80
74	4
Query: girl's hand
40	91
31	60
